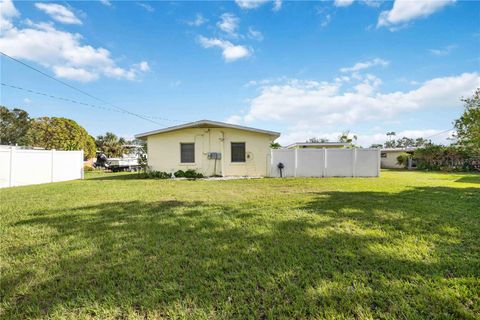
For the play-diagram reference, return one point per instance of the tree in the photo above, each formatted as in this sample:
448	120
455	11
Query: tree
60	134
14	125
275	145
405	142
110	144
422	142
316	140
346	138
468	125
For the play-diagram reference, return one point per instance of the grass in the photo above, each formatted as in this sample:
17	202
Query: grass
406	245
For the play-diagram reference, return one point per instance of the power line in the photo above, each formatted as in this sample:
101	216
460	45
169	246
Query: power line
439	133
83	92
71	100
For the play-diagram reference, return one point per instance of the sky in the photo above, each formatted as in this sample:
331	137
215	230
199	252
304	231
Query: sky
305	69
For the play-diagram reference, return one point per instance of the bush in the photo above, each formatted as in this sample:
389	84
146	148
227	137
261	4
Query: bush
87	167
451	158
402	159
155	175
189	174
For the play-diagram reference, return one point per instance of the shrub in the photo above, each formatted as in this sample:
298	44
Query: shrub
155	175
87	167
402	159
189	174
450	158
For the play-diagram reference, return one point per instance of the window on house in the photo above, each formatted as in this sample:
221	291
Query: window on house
238	151
383	154
187	152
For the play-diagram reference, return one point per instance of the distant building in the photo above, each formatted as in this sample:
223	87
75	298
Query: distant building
318	145
388	157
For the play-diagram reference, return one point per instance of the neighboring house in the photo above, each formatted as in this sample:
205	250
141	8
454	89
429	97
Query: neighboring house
388	157
211	148
317	145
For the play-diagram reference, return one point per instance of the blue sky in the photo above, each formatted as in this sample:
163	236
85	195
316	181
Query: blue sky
302	68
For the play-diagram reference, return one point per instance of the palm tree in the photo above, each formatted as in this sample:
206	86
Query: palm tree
110	144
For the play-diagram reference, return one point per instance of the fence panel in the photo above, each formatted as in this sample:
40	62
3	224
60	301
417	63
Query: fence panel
365	163
19	167
326	162
286	157
340	162
310	163
4	168
68	165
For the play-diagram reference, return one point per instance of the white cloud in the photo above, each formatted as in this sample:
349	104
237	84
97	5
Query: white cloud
301	133
143	66
58	13
444	51
372	3
250	4
27	100
79	74
404	11
326	20
309	105
365	65
230	51
62	52
229	24
146	6
343	3
277	5
198	21
7	12
106	2
255	34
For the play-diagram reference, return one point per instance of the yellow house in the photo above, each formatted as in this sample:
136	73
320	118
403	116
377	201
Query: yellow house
211	148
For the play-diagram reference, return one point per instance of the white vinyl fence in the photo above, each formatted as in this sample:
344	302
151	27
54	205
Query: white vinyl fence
20	167
326	162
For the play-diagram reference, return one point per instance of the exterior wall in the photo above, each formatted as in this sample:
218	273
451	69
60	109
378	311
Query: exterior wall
390	162
164	151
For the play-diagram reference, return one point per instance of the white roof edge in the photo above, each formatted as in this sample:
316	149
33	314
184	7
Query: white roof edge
318	144
399	149
206	122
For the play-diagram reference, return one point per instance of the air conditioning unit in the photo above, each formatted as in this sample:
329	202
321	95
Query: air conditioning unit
214	155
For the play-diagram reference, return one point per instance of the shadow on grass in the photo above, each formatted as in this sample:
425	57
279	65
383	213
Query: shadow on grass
473	178
116	176
349	254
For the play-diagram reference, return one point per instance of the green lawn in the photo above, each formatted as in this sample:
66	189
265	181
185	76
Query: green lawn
406	245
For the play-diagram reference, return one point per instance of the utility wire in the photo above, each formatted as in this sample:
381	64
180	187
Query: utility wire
72	100
439	133
82	91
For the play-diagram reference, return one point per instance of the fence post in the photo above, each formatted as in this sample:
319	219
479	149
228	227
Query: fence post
296	163
354	161
379	157
82	168
10	176
51	164
325	166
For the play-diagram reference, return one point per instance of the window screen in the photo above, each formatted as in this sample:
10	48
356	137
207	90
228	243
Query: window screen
187	152
238	151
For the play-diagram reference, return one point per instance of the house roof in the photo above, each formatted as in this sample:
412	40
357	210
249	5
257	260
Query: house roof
318	144
206	124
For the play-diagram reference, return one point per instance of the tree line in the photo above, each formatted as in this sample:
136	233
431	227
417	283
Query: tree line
17	128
